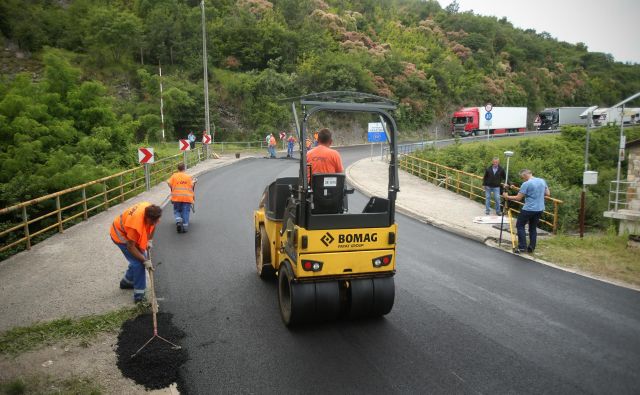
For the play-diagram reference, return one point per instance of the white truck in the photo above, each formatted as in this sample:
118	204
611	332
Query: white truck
554	118
611	116
473	121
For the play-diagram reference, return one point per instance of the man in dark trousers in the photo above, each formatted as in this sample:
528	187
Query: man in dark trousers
493	179
533	190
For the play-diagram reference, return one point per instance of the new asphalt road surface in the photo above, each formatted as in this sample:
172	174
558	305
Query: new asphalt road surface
467	318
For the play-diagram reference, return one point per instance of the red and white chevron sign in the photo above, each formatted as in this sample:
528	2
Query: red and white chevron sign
206	139
282	135
145	155
184	145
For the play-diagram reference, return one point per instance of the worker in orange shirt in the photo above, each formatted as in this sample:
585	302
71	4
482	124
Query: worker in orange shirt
272	146
132	232
322	158
182	197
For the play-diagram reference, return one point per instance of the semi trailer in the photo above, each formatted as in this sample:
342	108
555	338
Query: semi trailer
473	121
554	118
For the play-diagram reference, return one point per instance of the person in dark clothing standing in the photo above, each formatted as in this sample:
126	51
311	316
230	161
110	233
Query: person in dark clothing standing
493	179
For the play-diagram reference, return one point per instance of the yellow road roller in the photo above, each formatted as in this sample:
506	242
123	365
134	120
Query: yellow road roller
329	262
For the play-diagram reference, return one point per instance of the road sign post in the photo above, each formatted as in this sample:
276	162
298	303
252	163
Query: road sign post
488	116
145	156
375	134
206	141
184	147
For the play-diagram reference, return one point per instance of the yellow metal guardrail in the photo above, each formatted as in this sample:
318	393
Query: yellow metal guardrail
468	184
32	221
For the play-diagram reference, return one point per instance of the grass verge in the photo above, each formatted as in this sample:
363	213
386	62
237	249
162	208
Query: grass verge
21	339
49	385
604	255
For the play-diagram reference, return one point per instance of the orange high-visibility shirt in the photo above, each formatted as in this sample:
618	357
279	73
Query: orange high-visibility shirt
130	226
181	185
324	160
272	141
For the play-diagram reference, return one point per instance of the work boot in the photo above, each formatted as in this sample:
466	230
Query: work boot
179	225
185	228
139	298
125	285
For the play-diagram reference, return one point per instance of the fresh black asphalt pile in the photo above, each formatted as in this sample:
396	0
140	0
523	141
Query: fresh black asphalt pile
157	365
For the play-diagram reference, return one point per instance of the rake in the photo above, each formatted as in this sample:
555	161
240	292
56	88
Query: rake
154	312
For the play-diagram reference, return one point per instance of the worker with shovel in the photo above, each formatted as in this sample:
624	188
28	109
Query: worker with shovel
182	197
132	232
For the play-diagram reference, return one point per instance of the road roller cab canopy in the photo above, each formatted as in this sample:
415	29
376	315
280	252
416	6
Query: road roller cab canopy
321	196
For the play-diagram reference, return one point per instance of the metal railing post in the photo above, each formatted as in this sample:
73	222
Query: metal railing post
25	221
555	217
147	177
60	227
84	203
121	190
106	196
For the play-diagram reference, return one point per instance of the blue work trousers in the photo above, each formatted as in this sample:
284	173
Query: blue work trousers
272	151
135	274
487	199
290	150
181	211
532	218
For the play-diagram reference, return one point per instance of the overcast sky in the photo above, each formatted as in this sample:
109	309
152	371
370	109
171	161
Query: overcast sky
611	26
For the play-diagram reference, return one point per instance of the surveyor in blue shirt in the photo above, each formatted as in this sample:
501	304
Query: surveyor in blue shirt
533	190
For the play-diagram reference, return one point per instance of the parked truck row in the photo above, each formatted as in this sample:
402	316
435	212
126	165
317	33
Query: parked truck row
474	121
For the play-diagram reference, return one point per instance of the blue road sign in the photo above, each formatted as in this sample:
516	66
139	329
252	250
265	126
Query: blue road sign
376	137
488	116
375	133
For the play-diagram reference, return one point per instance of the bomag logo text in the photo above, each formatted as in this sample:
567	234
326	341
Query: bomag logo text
358	238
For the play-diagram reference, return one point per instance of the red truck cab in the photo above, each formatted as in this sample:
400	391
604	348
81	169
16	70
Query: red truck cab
465	122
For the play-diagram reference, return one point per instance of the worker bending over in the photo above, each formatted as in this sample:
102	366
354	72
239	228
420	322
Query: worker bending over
182	196
132	232
322	158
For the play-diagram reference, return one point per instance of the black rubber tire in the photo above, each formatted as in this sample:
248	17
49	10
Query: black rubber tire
327	300
384	293
263	255
361	298
296	300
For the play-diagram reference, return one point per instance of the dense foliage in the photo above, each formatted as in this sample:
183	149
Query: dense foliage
90	83
557	159
58	131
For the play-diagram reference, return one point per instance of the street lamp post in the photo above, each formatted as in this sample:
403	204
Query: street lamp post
508	154
583	194
206	75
